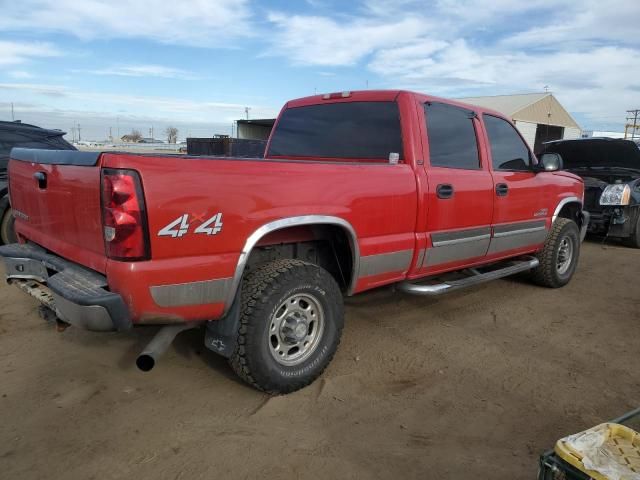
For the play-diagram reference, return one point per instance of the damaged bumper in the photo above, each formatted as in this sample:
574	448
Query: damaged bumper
618	221
77	295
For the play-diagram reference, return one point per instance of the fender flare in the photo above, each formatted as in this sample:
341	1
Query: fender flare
287	222
561	205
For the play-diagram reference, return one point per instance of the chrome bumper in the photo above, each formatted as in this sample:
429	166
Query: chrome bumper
77	295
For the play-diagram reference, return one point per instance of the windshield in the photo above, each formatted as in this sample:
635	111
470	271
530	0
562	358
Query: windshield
596	153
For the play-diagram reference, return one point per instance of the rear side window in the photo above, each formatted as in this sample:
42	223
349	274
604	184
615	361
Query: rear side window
367	130
452	137
508	150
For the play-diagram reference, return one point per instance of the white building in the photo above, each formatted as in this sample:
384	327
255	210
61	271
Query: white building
539	116
602	133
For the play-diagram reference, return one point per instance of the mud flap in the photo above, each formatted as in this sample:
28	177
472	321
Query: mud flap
221	335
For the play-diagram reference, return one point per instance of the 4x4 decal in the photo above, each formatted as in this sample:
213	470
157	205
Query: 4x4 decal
181	225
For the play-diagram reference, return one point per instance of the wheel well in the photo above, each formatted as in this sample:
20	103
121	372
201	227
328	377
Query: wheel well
572	211
328	246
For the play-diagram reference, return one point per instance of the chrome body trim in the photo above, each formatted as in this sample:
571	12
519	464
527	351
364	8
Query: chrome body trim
459	236
385	263
518	232
562	203
291	222
25	269
191	293
456	241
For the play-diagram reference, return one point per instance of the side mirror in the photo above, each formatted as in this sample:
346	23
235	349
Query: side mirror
549	162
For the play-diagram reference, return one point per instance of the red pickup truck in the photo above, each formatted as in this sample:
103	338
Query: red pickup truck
356	190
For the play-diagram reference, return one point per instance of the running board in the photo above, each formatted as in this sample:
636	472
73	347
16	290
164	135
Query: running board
512	268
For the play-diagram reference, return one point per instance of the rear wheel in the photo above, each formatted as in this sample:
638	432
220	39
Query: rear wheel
559	256
7	233
290	324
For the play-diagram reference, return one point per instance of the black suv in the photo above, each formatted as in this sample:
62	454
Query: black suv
17	134
610	169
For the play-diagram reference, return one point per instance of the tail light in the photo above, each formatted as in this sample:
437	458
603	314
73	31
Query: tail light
124	217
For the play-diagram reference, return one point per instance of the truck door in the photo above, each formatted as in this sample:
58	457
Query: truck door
520	216
460	193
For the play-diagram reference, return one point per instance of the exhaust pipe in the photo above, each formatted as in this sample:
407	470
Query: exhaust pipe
159	344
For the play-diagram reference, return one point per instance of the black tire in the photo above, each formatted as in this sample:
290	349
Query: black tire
264	293
548	273
634	240
7	232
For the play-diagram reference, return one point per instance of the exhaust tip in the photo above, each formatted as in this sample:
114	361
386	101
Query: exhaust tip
145	362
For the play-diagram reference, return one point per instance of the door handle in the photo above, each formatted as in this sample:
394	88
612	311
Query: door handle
502	189
41	178
444	191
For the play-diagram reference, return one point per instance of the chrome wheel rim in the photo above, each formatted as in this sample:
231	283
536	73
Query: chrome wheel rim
295	329
565	256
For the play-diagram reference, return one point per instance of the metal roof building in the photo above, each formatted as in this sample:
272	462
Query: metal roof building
539	116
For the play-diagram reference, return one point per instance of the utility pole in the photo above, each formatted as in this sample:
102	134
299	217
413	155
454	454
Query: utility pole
246	110
79	137
634	125
13	118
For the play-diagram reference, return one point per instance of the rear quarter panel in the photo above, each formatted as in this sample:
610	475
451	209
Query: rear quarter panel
378	200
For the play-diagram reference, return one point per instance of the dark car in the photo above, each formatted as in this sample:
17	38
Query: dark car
17	134
611	172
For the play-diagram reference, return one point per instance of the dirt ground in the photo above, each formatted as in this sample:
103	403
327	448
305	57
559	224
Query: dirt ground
470	385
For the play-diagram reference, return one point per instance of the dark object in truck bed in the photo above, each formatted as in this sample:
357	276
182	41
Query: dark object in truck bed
226	147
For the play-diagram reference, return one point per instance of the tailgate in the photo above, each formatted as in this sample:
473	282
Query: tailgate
55	195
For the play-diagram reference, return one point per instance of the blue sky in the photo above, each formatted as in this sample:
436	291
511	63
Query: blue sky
137	64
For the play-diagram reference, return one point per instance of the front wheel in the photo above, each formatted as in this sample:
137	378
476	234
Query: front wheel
559	255
291	320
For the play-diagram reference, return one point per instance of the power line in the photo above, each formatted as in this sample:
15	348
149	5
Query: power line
633	126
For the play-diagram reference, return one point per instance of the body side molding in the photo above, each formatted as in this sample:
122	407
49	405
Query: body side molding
293	222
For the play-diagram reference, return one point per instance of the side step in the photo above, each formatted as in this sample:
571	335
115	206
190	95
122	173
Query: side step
513	267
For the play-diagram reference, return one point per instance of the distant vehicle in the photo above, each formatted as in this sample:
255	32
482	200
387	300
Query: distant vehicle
17	134
356	190
611	172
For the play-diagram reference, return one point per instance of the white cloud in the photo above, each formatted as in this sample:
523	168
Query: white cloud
19	74
188	22
146	71
166	108
13	53
587	52
322	41
593	22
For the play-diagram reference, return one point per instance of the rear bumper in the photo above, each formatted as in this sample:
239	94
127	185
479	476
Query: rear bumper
78	296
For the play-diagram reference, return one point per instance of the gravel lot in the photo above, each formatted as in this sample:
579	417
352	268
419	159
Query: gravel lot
471	385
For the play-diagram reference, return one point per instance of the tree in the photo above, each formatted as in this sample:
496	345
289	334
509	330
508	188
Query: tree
135	136
172	134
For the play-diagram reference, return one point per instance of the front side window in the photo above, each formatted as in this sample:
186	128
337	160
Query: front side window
508	150
452	136
350	130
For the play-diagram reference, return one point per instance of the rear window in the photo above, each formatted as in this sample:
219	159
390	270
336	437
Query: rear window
367	130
